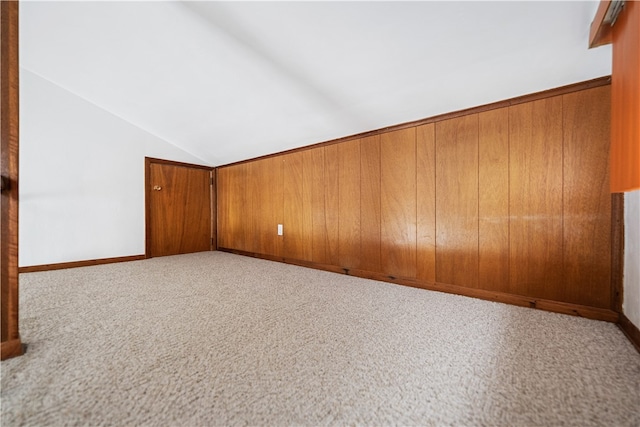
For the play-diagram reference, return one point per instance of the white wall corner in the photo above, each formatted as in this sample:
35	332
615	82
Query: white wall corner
631	296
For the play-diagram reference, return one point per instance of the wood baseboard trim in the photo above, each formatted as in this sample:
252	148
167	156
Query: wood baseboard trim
75	264
630	330
519	300
11	348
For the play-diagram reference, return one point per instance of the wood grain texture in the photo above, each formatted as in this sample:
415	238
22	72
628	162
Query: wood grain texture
370	203
293	206
256	214
243	212
586	197
268	206
332	204
214	210
180	210
625	100
223	209
318	219
349	204
535	199
148	161
297	214
9	164
457	201
307	205
497	214
493	200
426	202
232	206
398	203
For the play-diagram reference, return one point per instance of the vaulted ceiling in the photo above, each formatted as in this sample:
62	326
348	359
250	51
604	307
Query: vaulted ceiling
227	81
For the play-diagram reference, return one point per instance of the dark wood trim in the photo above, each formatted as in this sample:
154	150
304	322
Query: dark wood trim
147	196
9	349
617	251
75	264
9	136
630	330
214	209
599	32
217	223
546	305
147	206
601	81
174	163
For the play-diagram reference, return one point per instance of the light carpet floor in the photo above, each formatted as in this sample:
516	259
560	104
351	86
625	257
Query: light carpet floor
218	339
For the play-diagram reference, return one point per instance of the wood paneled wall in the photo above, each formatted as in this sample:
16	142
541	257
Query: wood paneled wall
625	87
509	201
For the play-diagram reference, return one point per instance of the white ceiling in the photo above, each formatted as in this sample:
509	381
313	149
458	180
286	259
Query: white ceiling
227	81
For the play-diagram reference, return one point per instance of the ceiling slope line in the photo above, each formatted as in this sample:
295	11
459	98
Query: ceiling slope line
23	68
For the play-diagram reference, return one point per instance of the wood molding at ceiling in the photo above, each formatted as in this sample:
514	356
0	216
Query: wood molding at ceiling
600	32
563	90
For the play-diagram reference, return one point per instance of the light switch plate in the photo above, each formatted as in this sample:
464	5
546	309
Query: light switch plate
279	229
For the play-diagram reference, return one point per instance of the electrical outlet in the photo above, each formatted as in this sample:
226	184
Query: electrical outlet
279	229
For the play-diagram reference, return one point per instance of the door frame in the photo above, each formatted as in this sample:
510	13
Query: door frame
148	161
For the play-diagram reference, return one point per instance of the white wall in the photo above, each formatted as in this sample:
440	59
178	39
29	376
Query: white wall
193	72
81	177
631	296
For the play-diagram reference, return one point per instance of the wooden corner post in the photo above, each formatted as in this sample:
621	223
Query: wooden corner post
9	131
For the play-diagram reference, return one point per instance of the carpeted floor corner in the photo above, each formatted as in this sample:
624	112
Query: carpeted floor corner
213	339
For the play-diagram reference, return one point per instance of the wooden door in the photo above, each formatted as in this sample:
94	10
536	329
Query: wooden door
179	209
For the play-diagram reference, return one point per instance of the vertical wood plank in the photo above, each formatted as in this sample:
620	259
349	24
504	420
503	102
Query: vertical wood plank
268	205
457	201
224	206
243	204
426	202
535	198
240	206
398	202
260	217
214	209
332	204
293	207
586	197
319	223
625	96
370	203
493	200
251	217
307	205
349	204
11	344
